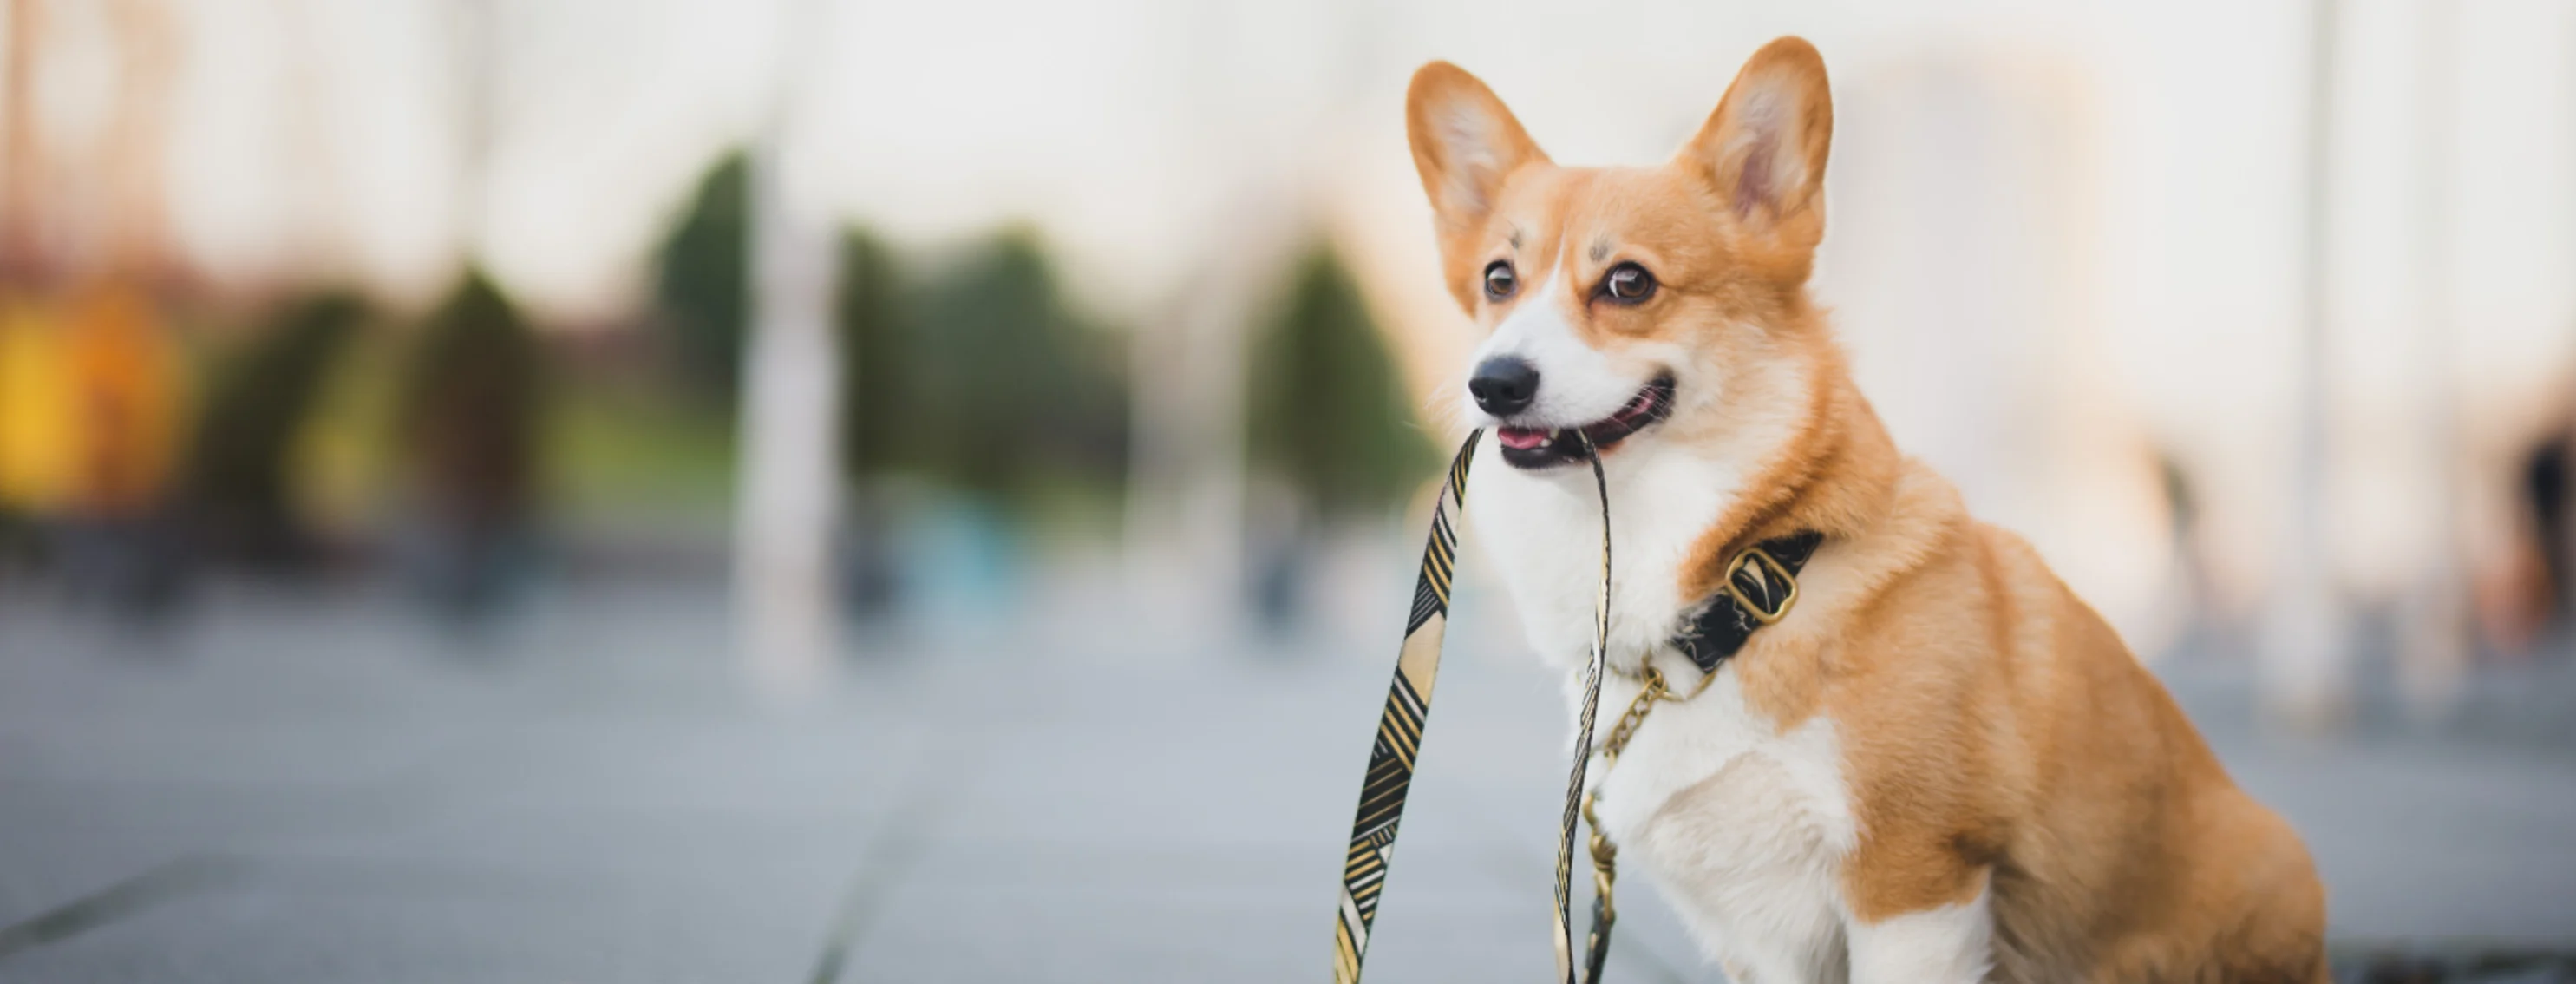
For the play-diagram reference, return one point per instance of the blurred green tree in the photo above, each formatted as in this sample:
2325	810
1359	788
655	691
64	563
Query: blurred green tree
702	279
469	420
470	406
873	351
240	470
1011	389
1326	412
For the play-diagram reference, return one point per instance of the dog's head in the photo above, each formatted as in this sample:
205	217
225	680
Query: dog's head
1619	300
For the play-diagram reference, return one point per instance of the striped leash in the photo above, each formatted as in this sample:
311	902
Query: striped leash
1399	741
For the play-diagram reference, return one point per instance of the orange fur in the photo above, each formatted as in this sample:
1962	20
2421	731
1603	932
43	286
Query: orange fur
1997	736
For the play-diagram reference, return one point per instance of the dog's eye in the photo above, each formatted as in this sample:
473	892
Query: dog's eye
1500	281
1628	283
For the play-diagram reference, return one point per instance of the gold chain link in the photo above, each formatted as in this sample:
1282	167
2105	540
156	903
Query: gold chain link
1605	855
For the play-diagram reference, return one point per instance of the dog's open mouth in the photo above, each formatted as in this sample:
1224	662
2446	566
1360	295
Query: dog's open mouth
1532	447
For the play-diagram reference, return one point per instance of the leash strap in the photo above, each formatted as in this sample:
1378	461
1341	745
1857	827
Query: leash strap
1399	740
1592	672
1399	730
1759	586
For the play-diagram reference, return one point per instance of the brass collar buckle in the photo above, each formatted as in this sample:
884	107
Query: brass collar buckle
1765	571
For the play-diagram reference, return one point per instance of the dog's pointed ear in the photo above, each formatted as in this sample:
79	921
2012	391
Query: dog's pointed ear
1465	143
1764	148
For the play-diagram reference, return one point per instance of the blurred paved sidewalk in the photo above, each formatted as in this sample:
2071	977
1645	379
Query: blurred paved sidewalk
290	791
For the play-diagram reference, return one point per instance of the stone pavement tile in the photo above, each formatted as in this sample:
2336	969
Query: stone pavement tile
978	911
711	843
651	854
294	752
1458	869
693	761
438	921
42	869
2429	841
1100	788
1151	915
67	838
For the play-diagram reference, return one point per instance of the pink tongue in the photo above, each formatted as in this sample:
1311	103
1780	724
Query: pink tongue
1520	438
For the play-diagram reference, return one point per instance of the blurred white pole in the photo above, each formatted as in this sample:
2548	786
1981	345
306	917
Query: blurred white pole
476	65
1185	526
784	524
2436	646
1188	487
1185	497
2303	671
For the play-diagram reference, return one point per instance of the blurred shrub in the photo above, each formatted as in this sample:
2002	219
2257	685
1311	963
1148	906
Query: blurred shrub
624	449
1007	389
470	409
1326	412
702	279
240	473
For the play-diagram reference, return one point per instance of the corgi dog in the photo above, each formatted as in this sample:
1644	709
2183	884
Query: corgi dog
1937	764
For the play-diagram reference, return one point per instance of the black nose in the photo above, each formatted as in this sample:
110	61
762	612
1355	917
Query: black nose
1504	385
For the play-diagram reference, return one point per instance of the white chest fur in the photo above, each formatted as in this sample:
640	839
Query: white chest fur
1742	828
1740	825
1543	531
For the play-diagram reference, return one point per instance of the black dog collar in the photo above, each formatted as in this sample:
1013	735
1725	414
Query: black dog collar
1760	586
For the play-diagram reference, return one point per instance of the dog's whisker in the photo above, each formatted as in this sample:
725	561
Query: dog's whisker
1440	407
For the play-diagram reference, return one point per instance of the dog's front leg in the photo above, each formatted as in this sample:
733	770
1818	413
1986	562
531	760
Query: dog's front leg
1946	943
